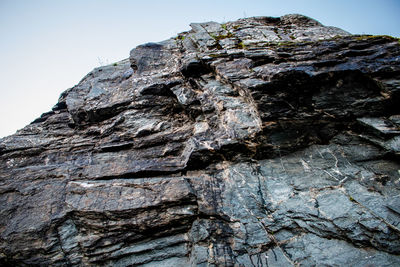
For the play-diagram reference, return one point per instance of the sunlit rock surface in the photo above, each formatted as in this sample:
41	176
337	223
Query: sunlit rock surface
260	142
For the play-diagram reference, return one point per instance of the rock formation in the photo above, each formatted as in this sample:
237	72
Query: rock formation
260	142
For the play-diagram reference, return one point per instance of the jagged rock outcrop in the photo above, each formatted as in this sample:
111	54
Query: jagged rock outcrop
260	142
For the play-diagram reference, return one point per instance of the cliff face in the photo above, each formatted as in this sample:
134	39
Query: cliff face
260	142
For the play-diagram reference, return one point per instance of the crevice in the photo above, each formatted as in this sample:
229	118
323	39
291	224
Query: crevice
143	175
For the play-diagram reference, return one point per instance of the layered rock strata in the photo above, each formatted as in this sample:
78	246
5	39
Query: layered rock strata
260	142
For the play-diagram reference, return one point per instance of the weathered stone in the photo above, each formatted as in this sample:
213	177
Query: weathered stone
380	127
259	142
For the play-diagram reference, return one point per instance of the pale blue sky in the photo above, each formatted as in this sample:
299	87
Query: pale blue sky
46	47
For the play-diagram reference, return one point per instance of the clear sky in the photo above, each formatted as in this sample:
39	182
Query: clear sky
47	46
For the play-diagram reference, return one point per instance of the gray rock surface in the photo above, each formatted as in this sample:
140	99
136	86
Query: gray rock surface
260	142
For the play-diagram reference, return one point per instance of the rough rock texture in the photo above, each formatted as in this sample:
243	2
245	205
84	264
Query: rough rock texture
260	142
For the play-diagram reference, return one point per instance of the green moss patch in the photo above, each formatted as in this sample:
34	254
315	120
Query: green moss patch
222	36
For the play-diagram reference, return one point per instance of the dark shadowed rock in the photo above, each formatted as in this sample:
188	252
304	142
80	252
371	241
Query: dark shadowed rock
260	142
